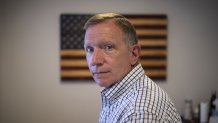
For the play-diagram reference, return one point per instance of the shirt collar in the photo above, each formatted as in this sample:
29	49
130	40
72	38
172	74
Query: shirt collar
119	88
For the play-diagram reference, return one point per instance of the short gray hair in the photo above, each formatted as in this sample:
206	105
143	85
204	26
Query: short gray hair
122	22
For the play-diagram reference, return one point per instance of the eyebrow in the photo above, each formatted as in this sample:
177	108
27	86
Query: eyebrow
102	42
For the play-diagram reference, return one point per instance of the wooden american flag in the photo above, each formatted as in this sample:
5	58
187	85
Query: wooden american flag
152	34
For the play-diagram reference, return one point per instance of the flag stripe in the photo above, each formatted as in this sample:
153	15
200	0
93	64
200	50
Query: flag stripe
153	58
72	73
80	78
154	37
139	21
157	42
73	52
85	73
64	68
74	63
150	32
150	26
146	16
83	57
146	52
83	63
154	52
72	57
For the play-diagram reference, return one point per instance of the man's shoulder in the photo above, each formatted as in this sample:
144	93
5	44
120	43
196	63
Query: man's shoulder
148	88
150	98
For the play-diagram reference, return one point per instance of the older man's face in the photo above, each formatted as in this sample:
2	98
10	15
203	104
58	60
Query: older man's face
108	56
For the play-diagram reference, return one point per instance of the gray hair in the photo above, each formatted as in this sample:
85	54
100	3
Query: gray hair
128	29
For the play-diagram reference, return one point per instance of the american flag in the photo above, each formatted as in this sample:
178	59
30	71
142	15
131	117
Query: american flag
152	34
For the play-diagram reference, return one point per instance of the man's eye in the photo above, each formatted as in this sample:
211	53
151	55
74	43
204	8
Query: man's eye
89	49
108	47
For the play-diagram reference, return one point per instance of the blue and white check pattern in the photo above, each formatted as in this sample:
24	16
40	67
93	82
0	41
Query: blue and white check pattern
137	99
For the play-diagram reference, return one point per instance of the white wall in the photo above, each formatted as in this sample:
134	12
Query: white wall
30	87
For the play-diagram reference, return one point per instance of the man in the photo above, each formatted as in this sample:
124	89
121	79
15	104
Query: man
129	95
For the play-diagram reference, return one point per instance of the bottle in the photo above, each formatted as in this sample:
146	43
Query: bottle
188	110
196	114
204	111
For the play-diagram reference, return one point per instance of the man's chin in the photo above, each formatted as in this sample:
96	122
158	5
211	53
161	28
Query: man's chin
103	83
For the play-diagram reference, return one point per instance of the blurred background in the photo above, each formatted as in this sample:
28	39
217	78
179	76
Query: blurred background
30	86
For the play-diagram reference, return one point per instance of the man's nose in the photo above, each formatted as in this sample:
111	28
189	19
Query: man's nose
97	57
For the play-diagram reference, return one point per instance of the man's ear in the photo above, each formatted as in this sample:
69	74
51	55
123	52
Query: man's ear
135	54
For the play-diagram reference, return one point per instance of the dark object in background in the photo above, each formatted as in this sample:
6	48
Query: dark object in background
211	105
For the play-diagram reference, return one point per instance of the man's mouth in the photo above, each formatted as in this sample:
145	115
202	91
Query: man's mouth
98	73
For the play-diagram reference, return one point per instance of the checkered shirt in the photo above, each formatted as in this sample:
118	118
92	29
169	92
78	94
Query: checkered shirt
137	99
